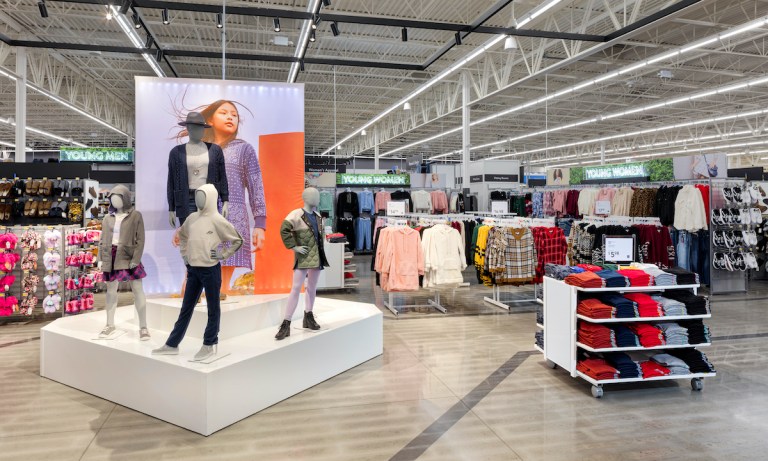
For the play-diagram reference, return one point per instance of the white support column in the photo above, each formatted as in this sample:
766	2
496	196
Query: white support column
602	153
376	151
21	104
465	141
224	40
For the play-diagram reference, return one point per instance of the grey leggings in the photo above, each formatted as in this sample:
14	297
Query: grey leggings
309	297
138	299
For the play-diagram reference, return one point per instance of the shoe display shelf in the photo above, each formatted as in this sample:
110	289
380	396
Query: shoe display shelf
46	201
560	326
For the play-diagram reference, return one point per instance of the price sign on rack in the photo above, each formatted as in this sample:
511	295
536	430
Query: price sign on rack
499	207
619	248
396	208
603	207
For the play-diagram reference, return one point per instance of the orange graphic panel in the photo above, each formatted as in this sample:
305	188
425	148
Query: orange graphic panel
281	157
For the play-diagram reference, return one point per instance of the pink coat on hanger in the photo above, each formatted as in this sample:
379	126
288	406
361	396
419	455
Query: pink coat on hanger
399	259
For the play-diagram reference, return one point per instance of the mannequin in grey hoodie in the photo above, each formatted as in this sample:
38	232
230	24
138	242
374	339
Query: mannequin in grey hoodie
201	238
120	250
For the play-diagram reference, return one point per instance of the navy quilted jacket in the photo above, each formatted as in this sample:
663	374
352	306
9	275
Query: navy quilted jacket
178	181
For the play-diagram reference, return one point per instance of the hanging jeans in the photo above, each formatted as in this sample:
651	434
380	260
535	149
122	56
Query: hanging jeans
699	259
346	226
363	234
199	279
683	250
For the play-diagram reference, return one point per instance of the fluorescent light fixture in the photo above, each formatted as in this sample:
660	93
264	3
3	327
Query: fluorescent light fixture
44	133
276	22
135	40
510	43
536	13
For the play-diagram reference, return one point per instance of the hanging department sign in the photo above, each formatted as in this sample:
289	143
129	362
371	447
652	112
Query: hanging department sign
353	179
618	171
96	154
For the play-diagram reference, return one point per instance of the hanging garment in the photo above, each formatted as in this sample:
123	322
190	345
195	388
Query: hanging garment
511	256
439	202
347	203
365	201
444	258
422	201
326	206
363	234
401	195
551	248
346	226
380	201
689	210
622	201
399	259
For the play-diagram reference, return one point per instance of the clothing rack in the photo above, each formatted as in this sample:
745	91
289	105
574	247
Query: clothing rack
434	303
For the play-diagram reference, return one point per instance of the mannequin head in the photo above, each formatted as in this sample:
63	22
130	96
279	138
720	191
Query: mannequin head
200	199
311	197
195	133
117	202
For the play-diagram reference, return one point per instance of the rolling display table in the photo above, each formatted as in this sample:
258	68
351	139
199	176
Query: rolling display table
561	324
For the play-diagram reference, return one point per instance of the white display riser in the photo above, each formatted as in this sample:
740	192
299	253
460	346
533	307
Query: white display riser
258	372
239	314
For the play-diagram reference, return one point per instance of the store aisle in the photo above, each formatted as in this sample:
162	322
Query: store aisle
448	387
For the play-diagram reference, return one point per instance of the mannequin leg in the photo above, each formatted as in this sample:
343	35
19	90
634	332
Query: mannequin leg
140	301
111	304
226	279
293	299
309	294
211	279
191	295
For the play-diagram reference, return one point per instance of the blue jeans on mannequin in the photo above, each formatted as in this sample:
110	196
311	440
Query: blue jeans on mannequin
199	279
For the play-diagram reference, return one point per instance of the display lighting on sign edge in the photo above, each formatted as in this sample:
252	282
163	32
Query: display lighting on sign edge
664	56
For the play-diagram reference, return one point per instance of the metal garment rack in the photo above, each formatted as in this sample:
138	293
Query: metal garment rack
435	303
496	299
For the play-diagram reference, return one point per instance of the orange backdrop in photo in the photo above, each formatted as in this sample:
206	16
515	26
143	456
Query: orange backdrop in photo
281	157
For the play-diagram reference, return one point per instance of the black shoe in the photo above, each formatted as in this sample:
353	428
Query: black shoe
309	321
285	330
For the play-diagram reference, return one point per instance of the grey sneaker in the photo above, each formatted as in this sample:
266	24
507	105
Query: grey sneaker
108	330
205	353
144	334
166	350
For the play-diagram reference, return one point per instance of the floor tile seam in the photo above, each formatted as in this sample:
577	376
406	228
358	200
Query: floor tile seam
335	407
472	411
20	341
38	434
96	434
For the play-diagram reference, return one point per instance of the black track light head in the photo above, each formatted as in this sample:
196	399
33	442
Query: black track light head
166	16
335	29
301	65
159	55
315	21
136	21
457	37
149	41
125	6
43	9
219	21
326	3
404	34
312	36
276	21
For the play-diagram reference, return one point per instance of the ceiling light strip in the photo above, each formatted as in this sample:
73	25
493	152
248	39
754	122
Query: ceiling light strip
133	36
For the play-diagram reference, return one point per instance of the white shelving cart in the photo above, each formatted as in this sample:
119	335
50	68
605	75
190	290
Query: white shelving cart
561	324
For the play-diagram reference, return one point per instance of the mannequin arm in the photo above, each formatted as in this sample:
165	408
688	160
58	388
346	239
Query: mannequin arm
172	219
225	209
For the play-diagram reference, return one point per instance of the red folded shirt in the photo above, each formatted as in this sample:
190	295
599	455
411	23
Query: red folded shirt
652	369
585	280
637	278
595	309
597	369
590	267
646	306
595	336
649	335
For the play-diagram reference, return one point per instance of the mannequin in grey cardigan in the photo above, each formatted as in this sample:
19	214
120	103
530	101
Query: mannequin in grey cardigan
120	251
197	159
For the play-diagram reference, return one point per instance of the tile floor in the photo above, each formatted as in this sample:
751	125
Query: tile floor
461	386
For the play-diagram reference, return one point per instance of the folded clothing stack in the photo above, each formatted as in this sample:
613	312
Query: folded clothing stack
627	367
696	360
624	336
595	336
694	305
540	339
637	278
660	278
597	369
649	335
560	272
625	309
698	333
646	306
595	309
590	267
675	365
613	279
585	280
652	369
674	334
540	314
671	307
682	276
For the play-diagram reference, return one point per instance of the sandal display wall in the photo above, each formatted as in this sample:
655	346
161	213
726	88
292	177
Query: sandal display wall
46	201
735	216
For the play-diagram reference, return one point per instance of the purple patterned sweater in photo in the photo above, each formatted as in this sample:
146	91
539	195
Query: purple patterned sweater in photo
244	173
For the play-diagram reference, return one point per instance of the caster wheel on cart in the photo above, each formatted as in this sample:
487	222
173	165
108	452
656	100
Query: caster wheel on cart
597	392
551	364
697	384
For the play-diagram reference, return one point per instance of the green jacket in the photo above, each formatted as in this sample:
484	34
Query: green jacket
296	232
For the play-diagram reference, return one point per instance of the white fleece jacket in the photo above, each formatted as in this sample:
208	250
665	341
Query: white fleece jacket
206	230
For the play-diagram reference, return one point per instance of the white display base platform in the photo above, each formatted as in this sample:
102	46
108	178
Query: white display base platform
204	398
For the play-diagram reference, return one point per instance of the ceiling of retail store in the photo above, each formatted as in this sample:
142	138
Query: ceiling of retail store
554	111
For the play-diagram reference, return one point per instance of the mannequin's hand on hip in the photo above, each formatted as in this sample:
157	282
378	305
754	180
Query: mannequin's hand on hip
172	219
132	266
258	239
225	209
301	250
176	240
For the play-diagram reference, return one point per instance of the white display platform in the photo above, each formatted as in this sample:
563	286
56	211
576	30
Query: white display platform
205	398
